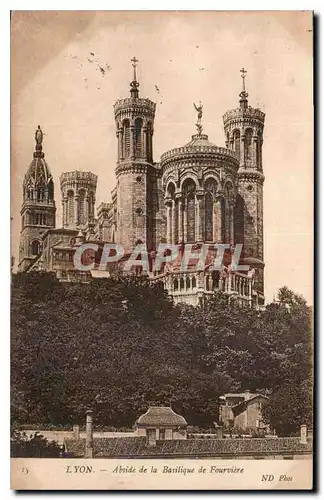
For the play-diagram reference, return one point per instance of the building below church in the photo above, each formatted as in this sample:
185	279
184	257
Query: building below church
198	194
243	412
162	433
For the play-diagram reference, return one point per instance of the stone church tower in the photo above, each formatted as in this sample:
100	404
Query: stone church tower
135	171
38	207
244	134
78	191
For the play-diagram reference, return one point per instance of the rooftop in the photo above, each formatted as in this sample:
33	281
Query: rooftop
132	447
161	415
199	144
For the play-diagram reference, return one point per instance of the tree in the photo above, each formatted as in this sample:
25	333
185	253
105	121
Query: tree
34	447
120	344
289	407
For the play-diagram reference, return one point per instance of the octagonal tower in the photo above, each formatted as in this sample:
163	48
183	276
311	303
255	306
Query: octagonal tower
135	172
78	191
244	134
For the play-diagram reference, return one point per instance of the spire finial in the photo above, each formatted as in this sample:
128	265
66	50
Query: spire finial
134	64
243	75
39	141
243	95
199	110
39	135
134	84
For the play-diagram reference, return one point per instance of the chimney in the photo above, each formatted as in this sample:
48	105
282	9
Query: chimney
76	432
219	430
247	394
303	434
89	435
151	437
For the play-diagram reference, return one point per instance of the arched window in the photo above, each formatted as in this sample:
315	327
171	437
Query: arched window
70	207
149	138
236	137
189	195
126	138
41	191
194	282
187	283
81	205
175	285
36	247
170	190
138	136
248	146
210	196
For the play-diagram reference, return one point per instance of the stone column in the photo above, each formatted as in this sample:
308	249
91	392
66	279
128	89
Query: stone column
200	216
227	221
229	282
86	209
254	150
76	432
217	221
242	150
132	141
64	211
174	222
76	210
231	223
168	204
120	143
180	217
303	434
89	435
144	143
185	221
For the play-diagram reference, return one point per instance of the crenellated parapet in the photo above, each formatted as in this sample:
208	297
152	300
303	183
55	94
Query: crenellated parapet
133	107
78	176
248	115
251	175
198	150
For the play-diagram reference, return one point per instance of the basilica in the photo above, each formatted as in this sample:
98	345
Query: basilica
198	193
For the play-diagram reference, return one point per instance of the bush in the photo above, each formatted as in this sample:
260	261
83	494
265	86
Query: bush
35	446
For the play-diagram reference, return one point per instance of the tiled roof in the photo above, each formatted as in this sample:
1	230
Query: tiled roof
136	446
161	415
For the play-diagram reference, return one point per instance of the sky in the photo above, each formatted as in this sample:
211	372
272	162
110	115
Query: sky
188	56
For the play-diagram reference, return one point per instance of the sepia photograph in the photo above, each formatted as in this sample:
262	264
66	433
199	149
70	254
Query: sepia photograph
162	198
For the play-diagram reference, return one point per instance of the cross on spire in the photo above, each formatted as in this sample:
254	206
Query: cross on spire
134	64
243	75
134	84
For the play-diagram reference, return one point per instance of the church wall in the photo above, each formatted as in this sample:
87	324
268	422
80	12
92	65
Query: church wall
131	209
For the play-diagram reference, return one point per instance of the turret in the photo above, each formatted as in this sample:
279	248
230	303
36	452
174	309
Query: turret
78	191
244	134
134	117
38	207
